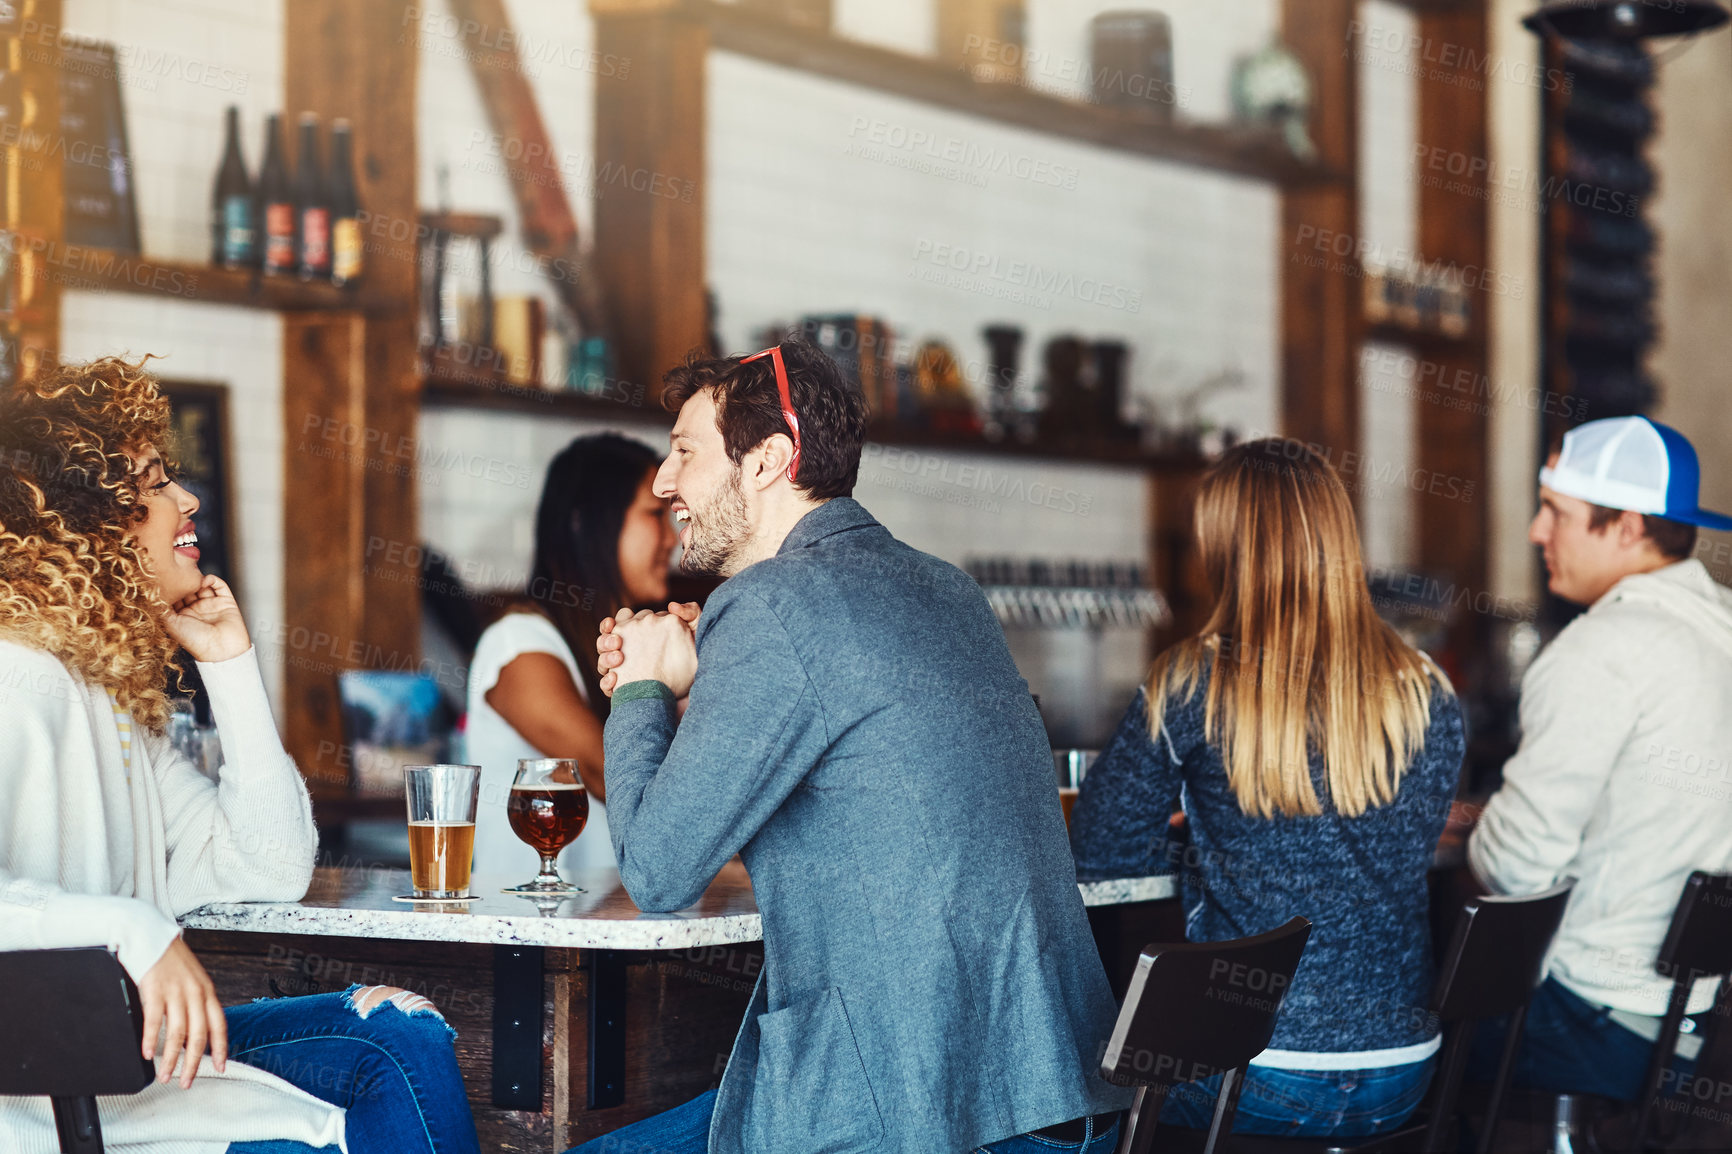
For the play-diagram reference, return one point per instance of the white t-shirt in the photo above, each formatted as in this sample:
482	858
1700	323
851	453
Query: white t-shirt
492	743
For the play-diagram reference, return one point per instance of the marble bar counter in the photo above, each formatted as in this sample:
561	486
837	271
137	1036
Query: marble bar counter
360	903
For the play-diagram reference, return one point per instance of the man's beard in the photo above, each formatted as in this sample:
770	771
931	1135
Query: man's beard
718	533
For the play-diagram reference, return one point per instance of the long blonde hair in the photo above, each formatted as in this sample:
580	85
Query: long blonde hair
1298	658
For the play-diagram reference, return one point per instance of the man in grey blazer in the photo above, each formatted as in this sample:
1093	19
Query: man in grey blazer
857	731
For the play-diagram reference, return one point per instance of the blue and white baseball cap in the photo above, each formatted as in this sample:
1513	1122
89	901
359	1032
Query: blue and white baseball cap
1632	463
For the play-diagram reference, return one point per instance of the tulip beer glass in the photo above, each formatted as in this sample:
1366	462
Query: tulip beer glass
548	808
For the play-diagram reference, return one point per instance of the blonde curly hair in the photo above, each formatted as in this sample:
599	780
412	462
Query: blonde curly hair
72	580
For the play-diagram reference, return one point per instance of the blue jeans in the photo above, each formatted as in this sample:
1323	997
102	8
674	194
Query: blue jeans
394	1073
1569	1046
686	1130
1307	1103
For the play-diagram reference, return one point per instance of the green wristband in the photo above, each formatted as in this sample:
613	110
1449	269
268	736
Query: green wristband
633	690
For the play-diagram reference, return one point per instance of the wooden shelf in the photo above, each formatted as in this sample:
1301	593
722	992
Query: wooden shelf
482	392
1421	6
1389	332
1122	453
80	267
1255	153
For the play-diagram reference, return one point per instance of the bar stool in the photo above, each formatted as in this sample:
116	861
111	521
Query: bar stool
71	1027
1491	969
1697	945
1193	1010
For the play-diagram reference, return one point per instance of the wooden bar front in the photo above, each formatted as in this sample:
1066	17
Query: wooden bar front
681	1010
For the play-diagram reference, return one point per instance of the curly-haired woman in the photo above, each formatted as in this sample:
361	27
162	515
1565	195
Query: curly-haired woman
107	833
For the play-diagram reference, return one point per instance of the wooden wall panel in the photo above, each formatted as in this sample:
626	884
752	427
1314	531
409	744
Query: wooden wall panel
1451	439
324	530
681	1013
359	62
649	249
34	201
1321	312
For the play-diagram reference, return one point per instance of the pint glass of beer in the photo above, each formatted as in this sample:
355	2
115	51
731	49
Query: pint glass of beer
441	827
548	808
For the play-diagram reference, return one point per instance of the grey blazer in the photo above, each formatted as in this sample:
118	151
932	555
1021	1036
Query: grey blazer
859	734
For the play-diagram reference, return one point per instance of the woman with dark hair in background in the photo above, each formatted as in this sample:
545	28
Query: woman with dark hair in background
602	540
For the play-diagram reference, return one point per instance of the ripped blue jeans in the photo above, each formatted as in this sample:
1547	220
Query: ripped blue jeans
394	1071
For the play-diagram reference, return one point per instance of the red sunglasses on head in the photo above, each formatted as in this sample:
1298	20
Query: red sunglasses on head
774	352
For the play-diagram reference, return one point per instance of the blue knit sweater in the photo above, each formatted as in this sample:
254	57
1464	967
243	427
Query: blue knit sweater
1365	979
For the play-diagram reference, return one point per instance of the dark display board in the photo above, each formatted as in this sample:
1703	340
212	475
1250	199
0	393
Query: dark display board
200	448
96	164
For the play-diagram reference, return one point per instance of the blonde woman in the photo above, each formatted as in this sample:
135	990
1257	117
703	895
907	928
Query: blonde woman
107	834
1315	756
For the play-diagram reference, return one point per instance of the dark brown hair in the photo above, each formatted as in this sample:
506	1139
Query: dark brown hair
574	578
832	413
1674	539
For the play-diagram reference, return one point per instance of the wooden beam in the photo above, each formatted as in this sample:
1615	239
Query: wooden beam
34	182
549	227
1451	440
1321	313
343	59
649	246
106	270
324	527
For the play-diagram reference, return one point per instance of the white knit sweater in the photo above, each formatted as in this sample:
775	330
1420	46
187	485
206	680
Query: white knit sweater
99	849
1623	779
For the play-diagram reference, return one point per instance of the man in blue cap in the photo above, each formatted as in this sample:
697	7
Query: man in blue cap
1624	775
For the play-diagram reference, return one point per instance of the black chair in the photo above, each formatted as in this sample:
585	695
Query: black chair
1491	969
1698	945
1195	1010
71	1027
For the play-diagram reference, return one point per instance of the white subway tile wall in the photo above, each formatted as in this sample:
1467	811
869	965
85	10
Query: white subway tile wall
477	507
1388	225
478	498
902	25
557	48
181	62
836	198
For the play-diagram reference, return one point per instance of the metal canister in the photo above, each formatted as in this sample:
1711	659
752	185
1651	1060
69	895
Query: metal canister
1132	61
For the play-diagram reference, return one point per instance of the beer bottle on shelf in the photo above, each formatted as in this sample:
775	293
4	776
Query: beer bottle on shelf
233	227
312	205
345	209
276	203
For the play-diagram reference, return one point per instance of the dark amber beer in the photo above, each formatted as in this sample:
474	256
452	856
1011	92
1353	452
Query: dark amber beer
548	808
548	817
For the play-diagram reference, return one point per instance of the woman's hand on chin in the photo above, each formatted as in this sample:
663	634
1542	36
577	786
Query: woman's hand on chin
208	622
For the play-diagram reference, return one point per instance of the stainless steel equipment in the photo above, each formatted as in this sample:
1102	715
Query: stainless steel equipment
1079	632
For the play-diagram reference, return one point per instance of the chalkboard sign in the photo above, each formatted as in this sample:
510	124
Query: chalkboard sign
199	447
97	166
